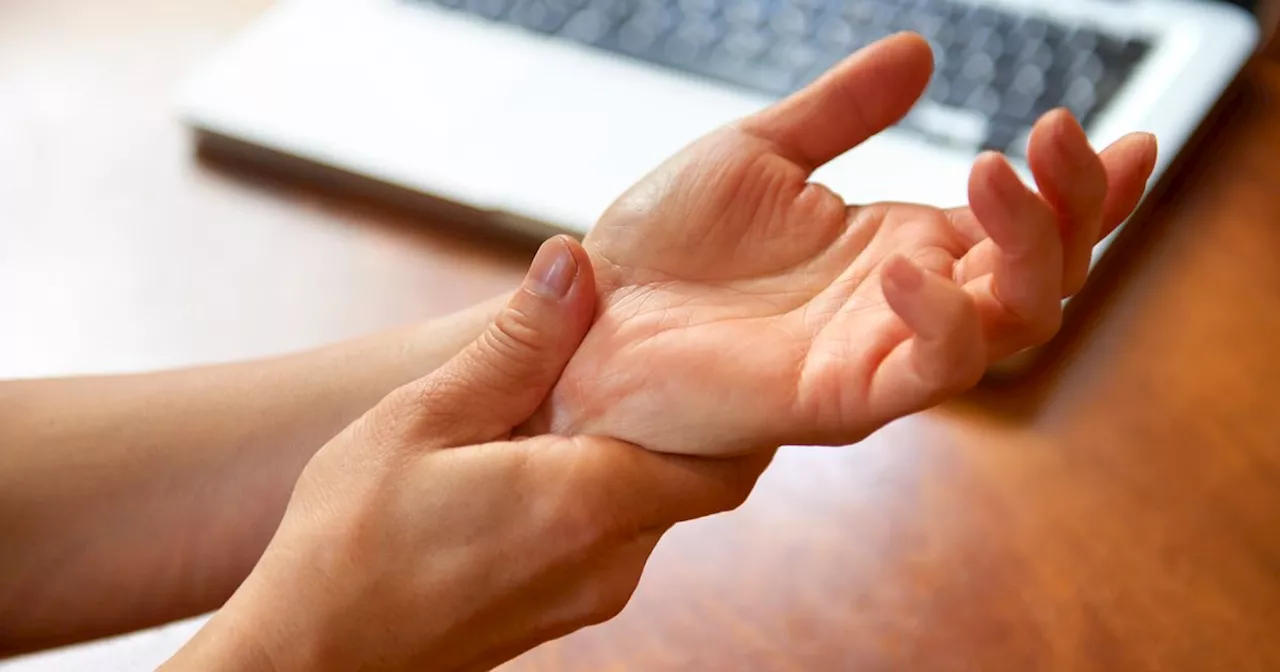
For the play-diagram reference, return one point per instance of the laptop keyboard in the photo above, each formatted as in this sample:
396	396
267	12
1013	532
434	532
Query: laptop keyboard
997	70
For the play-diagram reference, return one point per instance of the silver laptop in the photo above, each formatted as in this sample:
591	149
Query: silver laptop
539	112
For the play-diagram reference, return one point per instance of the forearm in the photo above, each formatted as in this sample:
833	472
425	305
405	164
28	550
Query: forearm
132	500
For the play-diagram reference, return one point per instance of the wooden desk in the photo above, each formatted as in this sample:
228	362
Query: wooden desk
1129	519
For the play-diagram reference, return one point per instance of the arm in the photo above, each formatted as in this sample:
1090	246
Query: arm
423	538
127	501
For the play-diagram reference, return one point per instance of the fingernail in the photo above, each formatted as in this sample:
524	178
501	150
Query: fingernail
553	269
905	274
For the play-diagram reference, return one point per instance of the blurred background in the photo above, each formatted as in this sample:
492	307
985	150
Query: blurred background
209	181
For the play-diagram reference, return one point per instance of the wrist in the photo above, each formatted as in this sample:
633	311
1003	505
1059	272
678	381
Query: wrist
266	626
225	644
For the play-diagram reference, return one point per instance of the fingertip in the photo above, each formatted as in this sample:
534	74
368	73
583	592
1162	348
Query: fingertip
1129	163
905	45
1067	121
1059	136
914	45
901	282
554	269
1150	151
1056	121
990	161
995	194
573	245
857	98
902	275
1041	129
560	282
585	280
945	352
1139	147
984	170
930	305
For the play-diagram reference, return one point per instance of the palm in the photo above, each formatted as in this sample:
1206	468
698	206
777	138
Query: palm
743	307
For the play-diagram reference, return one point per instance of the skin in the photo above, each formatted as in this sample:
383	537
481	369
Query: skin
133	500
742	306
736	306
555	534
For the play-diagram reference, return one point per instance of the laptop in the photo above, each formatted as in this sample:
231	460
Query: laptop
536	114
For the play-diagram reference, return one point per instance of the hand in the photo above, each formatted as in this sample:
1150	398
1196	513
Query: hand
742	306
400	550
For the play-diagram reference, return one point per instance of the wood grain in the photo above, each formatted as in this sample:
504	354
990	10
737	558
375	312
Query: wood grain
1116	512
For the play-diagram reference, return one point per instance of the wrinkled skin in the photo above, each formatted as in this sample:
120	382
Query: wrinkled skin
741	306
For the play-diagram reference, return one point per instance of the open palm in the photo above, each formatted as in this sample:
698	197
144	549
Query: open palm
742	306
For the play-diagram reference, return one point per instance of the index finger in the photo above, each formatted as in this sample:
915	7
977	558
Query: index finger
861	96
634	489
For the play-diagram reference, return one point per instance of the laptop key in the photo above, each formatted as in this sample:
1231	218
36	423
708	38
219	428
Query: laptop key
979	67
539	16
690	42
984	100
613	11
589	26
1080	97
745	12
1083	40
1015	104
637	37
789	22
985	40
743	45
728	62
835	34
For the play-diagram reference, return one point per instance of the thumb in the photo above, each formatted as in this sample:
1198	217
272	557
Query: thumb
856	99
502	377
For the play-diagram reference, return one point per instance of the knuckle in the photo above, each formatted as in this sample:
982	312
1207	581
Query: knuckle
430	398
507	353
424	393
818	203
515	333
